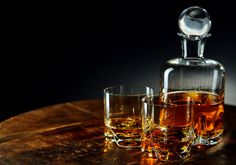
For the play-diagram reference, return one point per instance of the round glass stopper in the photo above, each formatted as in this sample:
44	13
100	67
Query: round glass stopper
194	22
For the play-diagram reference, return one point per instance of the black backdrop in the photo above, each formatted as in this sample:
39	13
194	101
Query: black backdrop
65	52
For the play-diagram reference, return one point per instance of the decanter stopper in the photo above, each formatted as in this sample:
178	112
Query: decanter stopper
194	23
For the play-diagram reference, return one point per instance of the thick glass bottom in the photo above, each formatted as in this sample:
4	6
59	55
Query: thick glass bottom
208	141
127	143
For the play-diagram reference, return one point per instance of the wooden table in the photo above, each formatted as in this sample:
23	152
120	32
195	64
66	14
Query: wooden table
72	133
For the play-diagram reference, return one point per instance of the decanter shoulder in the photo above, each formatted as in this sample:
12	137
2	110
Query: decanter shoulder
192	62
214	64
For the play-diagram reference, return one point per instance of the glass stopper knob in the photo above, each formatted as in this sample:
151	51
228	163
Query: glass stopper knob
194	23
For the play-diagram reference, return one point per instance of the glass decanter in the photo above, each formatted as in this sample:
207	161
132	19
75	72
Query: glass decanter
196	76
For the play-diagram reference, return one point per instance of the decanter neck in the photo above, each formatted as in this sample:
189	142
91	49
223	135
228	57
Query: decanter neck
192	48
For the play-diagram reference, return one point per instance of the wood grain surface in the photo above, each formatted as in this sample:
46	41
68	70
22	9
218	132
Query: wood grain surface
72	133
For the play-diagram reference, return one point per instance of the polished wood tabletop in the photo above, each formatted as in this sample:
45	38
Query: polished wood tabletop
72	133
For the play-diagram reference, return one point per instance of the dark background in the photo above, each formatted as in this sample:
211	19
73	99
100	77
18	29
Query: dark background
65	52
